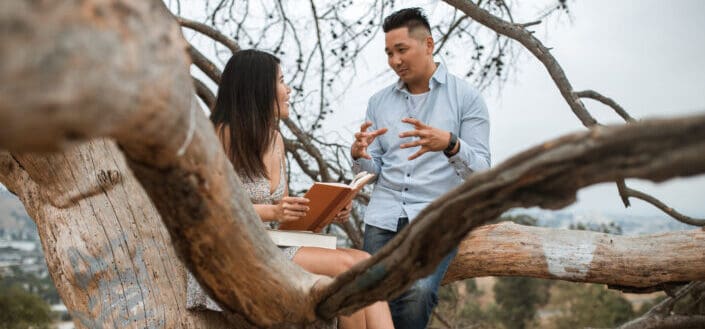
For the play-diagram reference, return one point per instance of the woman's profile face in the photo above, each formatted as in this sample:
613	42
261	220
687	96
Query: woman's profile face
283	92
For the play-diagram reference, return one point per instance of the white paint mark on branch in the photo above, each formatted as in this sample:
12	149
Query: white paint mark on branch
569	257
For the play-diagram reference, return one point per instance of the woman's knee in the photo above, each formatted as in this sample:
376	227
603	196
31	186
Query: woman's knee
350	257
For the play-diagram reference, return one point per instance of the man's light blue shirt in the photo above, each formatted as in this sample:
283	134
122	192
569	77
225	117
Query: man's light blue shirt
405	187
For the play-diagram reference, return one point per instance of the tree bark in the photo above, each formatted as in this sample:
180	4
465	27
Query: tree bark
107	252
510	249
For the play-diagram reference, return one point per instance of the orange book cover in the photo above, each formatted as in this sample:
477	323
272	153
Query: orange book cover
326	201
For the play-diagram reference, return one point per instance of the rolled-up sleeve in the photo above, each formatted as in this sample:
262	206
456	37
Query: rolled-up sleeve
474	136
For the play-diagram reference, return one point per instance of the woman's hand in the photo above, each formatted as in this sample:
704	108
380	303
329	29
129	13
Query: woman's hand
344	214
291	208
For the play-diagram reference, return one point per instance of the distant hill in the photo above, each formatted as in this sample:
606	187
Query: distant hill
630	224
15	224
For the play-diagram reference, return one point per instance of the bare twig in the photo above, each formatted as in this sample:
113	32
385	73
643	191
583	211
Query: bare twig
607	101
628	192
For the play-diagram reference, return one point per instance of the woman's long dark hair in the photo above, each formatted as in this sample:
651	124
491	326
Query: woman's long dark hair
245	108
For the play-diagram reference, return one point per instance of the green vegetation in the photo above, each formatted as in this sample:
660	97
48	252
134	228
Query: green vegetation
22	310
588	305
458	307
610	228
518	299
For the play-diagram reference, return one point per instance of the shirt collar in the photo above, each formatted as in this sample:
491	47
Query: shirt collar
439	77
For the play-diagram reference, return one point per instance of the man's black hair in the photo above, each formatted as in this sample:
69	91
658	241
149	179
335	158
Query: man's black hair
411	18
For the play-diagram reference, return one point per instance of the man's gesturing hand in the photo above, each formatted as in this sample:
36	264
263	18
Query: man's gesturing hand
430	138
364	139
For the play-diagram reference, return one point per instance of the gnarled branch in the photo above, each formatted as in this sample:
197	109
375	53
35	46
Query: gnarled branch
547	176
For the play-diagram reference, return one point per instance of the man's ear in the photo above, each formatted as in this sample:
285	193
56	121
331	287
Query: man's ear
430	45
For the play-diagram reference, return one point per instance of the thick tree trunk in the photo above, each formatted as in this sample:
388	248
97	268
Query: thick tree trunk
109	254
107	251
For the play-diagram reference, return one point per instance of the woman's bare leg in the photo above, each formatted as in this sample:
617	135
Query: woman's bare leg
378	316
332	262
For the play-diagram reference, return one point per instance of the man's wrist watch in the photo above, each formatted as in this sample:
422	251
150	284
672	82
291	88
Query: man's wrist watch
451	144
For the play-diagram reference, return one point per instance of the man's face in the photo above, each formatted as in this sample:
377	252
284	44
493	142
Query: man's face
407	54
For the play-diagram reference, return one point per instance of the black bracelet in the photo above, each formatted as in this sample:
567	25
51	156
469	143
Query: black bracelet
451	144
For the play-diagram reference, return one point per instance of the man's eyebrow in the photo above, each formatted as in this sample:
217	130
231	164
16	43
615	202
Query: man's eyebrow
400	44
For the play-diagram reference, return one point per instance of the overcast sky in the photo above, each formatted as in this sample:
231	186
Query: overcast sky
647	55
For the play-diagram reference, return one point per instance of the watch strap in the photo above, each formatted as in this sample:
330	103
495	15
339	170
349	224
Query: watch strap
451	144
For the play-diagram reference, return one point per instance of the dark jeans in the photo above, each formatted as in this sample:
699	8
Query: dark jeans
413	308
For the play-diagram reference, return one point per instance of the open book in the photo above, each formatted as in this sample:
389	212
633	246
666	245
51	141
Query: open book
327	200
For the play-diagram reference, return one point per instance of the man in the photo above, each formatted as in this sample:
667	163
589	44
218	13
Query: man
429	131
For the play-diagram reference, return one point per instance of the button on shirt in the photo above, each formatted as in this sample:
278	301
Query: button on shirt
404	187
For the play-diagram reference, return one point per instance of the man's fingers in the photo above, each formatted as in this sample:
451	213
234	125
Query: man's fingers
410	133
378	132
410	144
414	122
365	125
418	153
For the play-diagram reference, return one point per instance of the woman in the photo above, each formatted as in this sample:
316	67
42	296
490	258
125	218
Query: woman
252	97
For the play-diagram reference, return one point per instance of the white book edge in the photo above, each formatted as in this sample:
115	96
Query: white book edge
302	239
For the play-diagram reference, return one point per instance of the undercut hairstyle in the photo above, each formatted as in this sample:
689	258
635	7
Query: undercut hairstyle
244	113
411	18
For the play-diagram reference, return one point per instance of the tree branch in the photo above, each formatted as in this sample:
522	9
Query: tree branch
209	32
547	176
509	249
535	46
204	64
204	93
310	149
658	204
660	316
607	101
526	38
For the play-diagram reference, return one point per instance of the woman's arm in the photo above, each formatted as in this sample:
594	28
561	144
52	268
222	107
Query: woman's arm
266	212
289	208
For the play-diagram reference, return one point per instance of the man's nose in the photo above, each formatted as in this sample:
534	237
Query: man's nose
395	60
